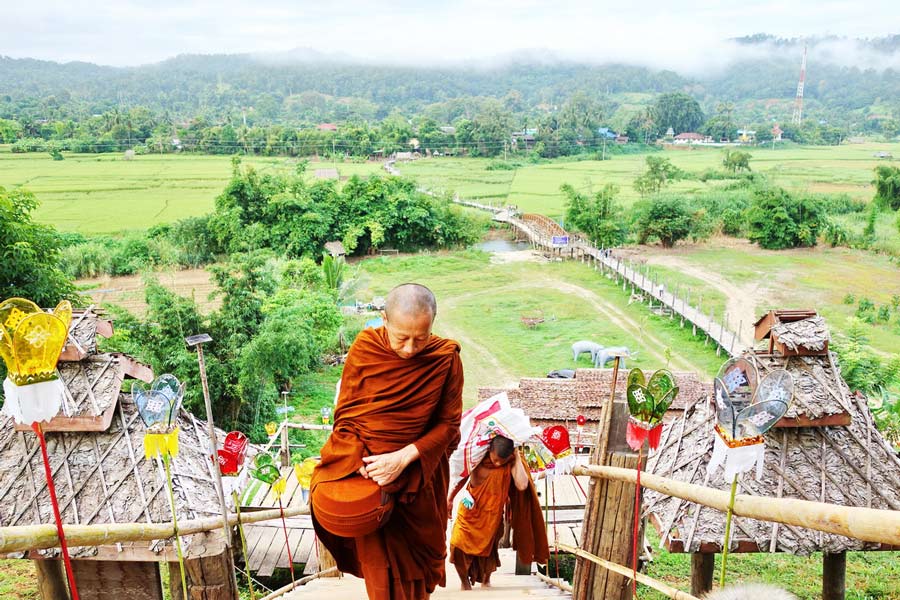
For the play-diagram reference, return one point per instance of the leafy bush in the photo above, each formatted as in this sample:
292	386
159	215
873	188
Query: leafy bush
849	299
667	219
887	186
599	218
884	313
841	204
862	368
779	220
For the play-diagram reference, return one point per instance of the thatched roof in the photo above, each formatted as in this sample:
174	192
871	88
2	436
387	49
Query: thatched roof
848	465
86	325
548	401
809	333
103	477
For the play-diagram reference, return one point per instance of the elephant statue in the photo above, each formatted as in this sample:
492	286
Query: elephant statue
579	348
607	354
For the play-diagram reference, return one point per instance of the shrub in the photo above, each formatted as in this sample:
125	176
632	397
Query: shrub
849	299
667	219
779	220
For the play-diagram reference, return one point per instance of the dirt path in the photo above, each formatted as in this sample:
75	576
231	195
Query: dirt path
652	345
740	300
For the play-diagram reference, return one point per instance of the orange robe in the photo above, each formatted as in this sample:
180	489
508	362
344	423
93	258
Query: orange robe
385	403
476	532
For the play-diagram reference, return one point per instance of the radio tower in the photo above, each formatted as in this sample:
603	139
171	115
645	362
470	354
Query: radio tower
798	103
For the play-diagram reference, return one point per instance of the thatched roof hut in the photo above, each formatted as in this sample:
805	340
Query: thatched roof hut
96	452
825	449
549	401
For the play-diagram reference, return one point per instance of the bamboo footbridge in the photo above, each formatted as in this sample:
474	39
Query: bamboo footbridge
545	234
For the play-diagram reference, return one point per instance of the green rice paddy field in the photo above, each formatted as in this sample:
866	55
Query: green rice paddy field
106	194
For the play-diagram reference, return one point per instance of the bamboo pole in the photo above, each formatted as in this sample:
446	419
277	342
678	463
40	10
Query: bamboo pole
303	580
659	586
561	584
867	524
37	537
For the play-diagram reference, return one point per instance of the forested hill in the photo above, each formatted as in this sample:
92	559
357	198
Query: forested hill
321	88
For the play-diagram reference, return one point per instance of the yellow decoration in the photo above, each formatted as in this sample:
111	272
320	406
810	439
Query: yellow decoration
271	427
304	472
163	444
279	486
31	340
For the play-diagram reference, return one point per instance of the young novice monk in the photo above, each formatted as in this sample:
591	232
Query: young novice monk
499	480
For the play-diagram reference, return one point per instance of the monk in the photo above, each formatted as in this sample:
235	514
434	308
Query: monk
500	481
397	422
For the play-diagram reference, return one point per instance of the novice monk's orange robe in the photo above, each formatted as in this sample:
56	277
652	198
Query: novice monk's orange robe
477	530
385	403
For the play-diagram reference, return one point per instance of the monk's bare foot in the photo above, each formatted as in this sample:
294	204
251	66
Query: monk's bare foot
466	586
486	584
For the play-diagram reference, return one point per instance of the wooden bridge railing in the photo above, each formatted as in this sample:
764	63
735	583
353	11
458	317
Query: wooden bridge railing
603	258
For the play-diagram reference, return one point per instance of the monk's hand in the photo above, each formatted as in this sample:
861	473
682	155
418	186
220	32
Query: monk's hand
385	468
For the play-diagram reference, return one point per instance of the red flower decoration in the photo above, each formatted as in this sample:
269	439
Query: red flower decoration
556	439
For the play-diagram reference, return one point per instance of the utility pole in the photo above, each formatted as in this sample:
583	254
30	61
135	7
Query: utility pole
198	341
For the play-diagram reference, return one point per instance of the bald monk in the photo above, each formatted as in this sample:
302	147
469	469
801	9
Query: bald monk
499	482
397	422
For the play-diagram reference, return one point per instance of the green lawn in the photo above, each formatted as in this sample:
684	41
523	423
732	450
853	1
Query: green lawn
481	303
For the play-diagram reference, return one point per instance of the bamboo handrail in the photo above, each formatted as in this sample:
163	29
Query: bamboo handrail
284	590
867	524
659	586
36	537
559	583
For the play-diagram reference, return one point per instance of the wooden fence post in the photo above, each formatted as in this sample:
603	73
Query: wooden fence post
702	567
834	568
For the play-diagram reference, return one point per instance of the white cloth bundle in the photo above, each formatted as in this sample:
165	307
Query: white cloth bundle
480	424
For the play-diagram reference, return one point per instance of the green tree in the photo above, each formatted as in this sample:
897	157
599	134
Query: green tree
887	186
677	110
660	171
736	160
666	219
599	217
721	125
779	220
29	253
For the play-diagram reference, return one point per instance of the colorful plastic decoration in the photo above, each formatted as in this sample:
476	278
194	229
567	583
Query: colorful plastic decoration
233	453
303	472
231	459
31	341
326	415
556	440
746	408
648	402
158	407
271	428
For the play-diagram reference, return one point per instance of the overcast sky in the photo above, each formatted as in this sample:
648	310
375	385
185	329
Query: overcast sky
685	35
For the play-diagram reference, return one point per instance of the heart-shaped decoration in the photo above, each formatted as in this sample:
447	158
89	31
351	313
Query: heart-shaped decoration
741	418
649	401
158	404
264	469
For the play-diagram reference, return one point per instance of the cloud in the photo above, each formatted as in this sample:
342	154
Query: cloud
688	36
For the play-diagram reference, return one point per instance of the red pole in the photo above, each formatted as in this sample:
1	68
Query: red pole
36	426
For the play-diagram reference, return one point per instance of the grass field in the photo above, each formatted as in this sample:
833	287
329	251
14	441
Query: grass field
535	188
816	278
103	193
